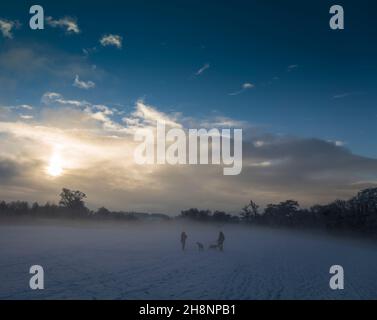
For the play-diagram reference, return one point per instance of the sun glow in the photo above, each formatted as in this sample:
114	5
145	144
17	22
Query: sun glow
55	168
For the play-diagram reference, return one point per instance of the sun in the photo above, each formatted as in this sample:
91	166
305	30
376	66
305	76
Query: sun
55	168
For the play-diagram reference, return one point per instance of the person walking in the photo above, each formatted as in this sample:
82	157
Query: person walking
220	241
183	240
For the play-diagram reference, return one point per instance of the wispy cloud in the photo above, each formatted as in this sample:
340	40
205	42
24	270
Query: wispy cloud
292	67
89	51
218	122
111	40
26	117
18	107
261	164
337	143
50	98
69	24
146	115
341	95
202	69
246	86
25	106
97	112
83	84
7	26
346	94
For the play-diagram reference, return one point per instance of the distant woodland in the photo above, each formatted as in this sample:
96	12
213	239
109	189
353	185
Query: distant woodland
356	214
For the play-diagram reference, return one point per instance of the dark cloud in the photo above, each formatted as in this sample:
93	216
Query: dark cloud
8	170
308	170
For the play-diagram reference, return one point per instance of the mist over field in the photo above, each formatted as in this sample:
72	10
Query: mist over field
120	122
88	260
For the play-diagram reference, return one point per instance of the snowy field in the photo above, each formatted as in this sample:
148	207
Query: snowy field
145	262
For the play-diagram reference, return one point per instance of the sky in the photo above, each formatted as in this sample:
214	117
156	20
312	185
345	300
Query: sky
71	94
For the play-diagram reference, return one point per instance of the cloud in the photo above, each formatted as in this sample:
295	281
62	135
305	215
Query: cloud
8	169
26	117
25	106
97	155
337	143
16	112
69	24
341	95
261	164
99	113
82	84
346	94
7	26
292	67
246	86
218	122
19	107
259	143
145	116
89	51
50	98
111	40
202	69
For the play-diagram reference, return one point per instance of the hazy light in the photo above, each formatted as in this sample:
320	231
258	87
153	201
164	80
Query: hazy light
55	168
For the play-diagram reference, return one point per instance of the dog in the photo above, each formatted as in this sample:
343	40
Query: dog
200	246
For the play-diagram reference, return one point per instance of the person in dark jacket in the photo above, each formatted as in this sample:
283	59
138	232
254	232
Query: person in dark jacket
183	240
220	241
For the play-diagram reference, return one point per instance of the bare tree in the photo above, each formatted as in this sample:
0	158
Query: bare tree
73	200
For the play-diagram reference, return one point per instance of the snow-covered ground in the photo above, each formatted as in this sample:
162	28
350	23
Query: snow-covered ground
145	262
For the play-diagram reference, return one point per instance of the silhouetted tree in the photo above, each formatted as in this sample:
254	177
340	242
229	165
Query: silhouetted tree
364	206
72	199
221	216
250	211
103	213
196	214
283	213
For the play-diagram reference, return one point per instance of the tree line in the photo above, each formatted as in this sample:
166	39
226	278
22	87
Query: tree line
71	205
356	214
